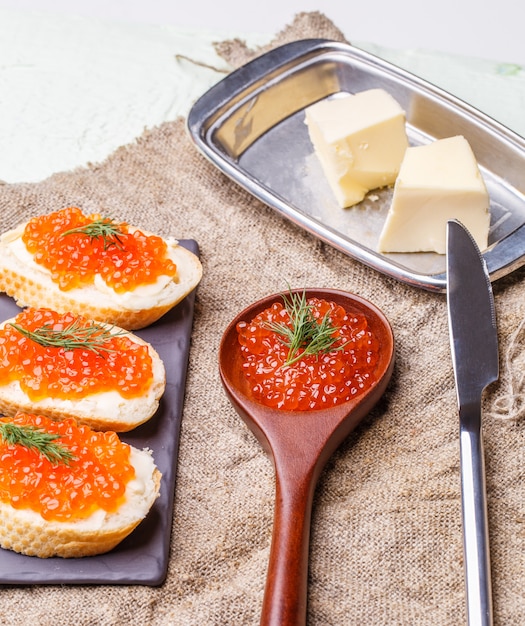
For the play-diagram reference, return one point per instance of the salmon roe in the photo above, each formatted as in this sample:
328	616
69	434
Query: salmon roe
314	381
94	479
118	364
124	261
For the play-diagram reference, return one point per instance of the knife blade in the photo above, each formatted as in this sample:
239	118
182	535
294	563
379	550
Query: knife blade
474	348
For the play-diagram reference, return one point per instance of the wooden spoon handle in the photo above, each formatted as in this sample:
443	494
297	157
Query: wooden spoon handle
285	596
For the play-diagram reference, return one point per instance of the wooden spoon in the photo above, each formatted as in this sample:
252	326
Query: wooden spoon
299	444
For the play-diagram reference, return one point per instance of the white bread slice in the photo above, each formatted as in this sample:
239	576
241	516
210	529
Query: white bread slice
100	411
27	532
30	284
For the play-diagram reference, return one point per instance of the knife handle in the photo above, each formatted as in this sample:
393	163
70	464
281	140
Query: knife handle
475	525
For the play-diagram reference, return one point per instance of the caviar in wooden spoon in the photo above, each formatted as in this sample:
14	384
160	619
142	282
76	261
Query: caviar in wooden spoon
299	412
305	354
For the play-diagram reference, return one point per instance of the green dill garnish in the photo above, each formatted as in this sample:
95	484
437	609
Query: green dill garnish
306	335
103	228
75	336
38	440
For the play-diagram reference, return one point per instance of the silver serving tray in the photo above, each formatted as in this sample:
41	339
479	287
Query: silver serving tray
251	126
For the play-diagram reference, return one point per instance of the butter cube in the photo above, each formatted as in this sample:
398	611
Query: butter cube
360	141
437	182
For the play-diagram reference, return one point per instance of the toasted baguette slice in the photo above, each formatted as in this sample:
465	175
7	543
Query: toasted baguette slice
106	410
30	284
27	532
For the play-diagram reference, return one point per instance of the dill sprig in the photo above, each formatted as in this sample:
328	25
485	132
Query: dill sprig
36	439
306	335
103	228
92	337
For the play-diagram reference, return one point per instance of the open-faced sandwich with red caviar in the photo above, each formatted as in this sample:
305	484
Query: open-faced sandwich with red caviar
63	365
90	264
68	491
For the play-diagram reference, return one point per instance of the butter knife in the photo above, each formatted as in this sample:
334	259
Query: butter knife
474	346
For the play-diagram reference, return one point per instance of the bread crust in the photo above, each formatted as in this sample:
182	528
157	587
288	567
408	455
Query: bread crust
31	285
100	411
27	532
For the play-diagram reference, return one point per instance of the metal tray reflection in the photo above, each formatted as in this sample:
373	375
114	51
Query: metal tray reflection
251	126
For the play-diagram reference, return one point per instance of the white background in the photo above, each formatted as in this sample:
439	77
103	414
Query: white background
487	29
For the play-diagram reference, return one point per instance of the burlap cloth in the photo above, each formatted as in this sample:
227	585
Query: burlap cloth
386	543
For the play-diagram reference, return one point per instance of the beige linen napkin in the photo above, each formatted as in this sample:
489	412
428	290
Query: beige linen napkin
386	542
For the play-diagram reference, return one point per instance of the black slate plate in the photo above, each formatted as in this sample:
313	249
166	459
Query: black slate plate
142	558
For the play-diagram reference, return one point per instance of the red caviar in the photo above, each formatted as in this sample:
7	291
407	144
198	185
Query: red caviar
94	479
314	381
124	261
118	364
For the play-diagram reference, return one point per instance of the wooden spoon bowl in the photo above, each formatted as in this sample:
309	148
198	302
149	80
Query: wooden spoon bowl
299	444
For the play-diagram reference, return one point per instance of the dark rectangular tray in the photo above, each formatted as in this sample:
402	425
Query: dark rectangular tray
142	558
